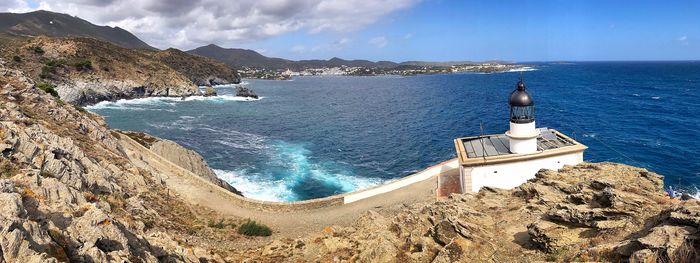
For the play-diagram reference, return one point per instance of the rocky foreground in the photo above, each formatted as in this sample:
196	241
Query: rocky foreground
590	212
69	192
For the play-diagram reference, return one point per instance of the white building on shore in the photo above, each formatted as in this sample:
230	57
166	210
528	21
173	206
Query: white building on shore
510	159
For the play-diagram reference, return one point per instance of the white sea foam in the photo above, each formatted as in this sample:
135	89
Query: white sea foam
590	135
299	169
522	69
655	98
138	104
255	189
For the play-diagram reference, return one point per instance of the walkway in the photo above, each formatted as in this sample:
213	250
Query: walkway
294	223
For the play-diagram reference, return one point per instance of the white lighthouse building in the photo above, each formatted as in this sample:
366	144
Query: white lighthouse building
510	159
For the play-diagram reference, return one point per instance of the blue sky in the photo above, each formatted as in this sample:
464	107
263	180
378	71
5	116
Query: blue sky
400	30
515	30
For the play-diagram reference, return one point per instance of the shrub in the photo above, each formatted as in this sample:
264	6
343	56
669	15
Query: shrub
48	88
17	59
38	50
82	64
50	66
251	228
214	224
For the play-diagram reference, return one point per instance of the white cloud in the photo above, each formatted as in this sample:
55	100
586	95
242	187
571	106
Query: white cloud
299	49
14	6
189	23
378	42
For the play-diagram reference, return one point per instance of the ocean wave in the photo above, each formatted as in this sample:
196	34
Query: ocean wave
291	173
655	98
138	104
522	69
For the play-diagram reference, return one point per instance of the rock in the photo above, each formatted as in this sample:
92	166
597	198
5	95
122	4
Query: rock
550	236
189	160
209	91
667	238
242	91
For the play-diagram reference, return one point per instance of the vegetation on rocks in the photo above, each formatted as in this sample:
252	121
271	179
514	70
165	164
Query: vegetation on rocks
82	64
252	228
48	88
87	70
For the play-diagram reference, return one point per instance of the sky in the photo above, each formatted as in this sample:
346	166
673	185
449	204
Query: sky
402	30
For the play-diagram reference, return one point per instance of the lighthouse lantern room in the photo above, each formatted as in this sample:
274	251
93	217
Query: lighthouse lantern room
523	134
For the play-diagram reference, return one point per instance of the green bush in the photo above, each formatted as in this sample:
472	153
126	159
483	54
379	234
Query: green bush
82	64
48	88
251	228
38	50
50	66
17	59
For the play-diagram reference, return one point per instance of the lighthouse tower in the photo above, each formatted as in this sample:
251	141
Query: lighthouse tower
522	134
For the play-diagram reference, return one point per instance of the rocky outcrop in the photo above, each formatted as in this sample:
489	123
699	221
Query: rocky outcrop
200	70
184	158
209	91
86	71
242	91
590	212
69	194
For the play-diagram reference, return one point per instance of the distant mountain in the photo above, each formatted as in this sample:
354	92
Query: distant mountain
237	57
62	25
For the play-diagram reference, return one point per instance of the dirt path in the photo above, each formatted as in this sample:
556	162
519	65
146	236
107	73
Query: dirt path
290	224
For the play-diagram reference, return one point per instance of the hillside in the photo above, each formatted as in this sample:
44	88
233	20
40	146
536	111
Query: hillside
86	70
52	24
237	57
200	70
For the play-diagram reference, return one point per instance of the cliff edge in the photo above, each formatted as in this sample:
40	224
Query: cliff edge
70	191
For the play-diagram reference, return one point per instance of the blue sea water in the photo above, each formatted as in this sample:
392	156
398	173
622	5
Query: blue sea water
317	136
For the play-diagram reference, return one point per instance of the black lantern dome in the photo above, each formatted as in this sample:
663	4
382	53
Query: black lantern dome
522	107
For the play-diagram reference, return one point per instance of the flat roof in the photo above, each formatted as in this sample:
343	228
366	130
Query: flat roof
496	148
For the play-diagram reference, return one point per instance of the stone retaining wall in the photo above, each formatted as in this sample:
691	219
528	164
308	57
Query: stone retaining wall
330	201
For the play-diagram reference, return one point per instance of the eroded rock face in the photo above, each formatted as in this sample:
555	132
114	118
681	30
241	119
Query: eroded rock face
189	160
67	192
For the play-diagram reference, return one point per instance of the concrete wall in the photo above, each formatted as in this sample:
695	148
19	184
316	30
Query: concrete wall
510	175
335	200
403	182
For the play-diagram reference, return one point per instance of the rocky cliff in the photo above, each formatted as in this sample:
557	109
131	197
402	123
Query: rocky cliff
70	191
181	156
86	71
591	212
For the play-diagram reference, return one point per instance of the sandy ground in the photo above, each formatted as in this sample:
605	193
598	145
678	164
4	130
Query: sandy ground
290	224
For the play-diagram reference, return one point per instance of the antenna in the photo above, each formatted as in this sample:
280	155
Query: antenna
481	140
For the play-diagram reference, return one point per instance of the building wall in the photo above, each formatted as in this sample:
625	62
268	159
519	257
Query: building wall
510	175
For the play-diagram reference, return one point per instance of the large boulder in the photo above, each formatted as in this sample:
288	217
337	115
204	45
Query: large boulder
209	91
242	91
189	160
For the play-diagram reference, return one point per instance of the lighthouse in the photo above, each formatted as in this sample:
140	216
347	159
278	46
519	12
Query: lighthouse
509	159
522	134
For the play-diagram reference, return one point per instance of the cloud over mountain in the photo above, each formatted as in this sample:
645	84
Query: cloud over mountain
189	23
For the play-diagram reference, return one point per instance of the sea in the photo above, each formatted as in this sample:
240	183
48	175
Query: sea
315	136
